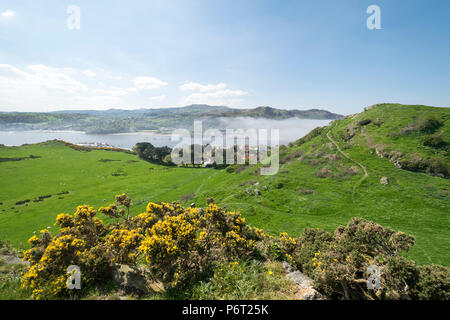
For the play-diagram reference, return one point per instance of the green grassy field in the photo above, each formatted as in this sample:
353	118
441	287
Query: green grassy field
89	178
295	198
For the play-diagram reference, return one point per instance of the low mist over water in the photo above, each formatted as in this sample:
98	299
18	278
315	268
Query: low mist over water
290	130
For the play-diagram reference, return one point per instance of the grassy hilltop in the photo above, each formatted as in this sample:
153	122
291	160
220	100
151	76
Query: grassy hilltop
318	184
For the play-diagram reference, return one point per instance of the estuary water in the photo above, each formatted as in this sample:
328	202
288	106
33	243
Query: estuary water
290	130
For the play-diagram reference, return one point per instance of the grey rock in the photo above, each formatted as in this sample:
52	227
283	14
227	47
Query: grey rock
134	279
12	259
287	267
305	284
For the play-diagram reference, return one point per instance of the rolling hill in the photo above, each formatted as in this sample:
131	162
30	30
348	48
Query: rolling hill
375	164
118	121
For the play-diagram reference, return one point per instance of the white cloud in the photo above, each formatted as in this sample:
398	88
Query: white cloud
148	83
48	78
89	73
43	88
8	13
158	98
213	94
194	86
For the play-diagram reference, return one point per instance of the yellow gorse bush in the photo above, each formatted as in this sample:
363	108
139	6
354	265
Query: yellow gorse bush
185	242
121	244
178	244
76	244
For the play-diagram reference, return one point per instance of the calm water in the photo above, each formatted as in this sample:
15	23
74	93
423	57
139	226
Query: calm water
290	130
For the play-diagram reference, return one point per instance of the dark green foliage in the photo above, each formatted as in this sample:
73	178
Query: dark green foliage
439	166
434	282
401	277
364	122
230	169
372	239
19	158
434	165
434	141
429	124
275	251
149	152
309	242
339	264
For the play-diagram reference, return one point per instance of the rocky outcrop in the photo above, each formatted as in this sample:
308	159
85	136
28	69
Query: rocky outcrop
305	285
135	279
394	156
12	259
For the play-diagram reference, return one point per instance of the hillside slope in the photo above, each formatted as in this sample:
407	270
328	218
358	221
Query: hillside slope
317	185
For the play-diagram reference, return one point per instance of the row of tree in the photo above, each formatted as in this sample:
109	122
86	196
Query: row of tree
149	152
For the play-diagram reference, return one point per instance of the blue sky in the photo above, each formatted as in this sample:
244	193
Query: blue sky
286	54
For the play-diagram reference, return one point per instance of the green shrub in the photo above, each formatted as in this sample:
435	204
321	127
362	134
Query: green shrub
399	278
414	162
434	283
230	169
364	122
338	264
429	124
439	166
424	125
434	141
434	165
309	242
149	152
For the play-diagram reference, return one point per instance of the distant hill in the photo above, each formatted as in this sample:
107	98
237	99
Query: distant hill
195	108
212	111
119	120
273	113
